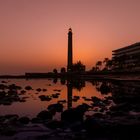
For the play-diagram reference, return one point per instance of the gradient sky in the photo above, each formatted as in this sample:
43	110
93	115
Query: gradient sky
33	33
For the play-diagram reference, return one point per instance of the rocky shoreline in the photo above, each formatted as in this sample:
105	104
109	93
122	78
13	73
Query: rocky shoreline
115	124
115	117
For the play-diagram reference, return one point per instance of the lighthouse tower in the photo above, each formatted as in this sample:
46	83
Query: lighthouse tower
70	58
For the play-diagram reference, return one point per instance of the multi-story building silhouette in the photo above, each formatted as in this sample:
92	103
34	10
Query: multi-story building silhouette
127	58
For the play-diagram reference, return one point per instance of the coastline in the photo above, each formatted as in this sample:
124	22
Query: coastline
112	77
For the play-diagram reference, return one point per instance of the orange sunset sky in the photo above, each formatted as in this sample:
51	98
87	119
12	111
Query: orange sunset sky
33	33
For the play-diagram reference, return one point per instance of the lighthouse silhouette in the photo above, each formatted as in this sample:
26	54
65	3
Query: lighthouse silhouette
70	54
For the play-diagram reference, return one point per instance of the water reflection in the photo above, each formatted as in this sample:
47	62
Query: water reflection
126	96
97	106
30	97
73	84
69	96
35	95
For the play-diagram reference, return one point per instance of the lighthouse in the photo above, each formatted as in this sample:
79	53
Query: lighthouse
70	54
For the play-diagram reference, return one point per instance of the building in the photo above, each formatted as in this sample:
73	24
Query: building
70	53
127	58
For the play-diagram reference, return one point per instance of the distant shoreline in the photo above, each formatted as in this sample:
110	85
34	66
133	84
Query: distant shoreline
112	77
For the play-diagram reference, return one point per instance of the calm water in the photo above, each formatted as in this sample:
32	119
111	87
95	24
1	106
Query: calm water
99	106
68	91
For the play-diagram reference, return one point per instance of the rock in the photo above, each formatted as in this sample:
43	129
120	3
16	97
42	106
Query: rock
104	88
28	88
58	90
10	116
54	124
22	91
10	119
97	102
72	115
24	120
109	98
44	89
36	120
38	89
93	125
55	95
77	97
22	100
8	131
87	99
74	100
83	108
95	99
98	115
62	101
121	107
106	102
78	126
4	82
7	103
7	98
56	107
45	98
3	87
44	115
117	114
2	119
14	87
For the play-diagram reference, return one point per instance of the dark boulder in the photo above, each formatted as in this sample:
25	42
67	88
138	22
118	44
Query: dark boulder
3	87
55	95
83	108
98	115
24	120
44	115
54	124
72	115
14	87
104	88
45	98
96	99
56	107
28	88
44	89
38	89
62	101
22	91
36	120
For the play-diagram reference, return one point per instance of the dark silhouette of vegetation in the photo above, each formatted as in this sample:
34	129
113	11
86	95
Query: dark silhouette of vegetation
102	66
63	70
78	67
55	71
98	65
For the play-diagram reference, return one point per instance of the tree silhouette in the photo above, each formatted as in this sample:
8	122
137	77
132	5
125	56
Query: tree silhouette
78	67
93	69
108	64
98	65
63	70
55	71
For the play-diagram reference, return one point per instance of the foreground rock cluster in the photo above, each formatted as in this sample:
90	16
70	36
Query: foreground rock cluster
114	117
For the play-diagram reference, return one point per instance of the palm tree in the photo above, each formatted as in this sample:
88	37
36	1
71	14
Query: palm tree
98	65
108	63
105	60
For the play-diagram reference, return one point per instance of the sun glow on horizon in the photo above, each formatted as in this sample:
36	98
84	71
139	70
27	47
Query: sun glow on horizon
34	37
